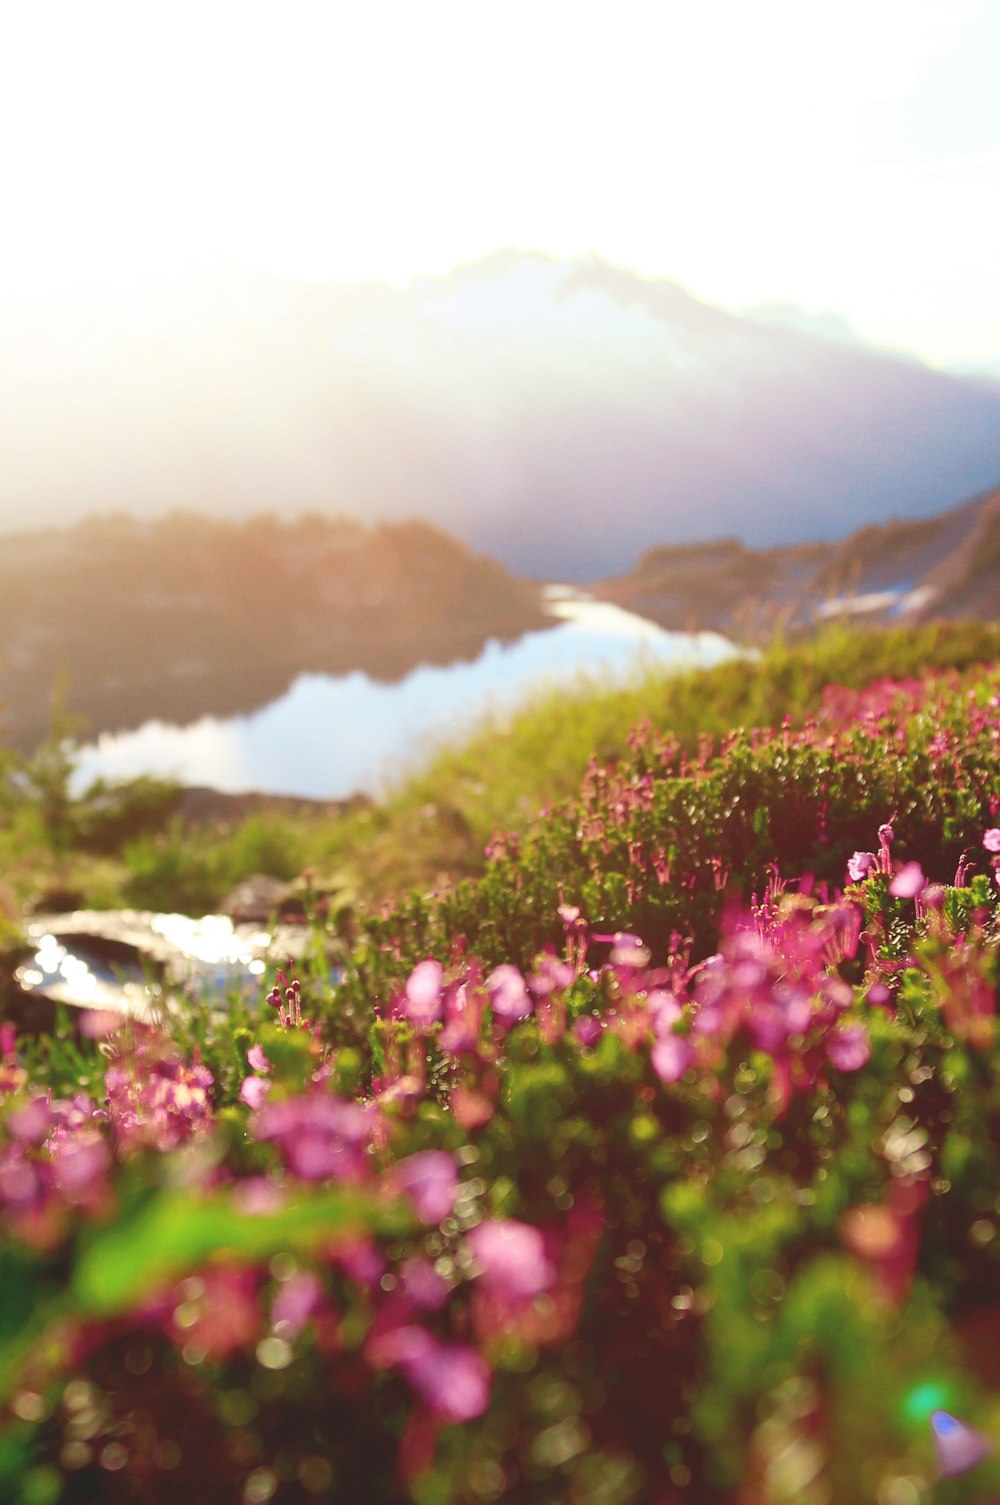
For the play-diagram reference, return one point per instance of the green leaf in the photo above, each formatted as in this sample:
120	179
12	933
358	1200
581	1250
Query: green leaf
175	1232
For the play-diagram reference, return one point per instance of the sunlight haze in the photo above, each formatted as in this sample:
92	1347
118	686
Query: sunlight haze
842	159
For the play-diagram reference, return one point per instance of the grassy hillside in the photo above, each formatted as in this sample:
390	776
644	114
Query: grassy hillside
656	1163
130	846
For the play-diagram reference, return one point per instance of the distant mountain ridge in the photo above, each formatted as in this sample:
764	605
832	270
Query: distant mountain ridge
188	616
907	572
560	416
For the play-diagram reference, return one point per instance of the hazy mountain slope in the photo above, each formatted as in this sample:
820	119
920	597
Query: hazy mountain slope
188	616
942	566
561	416
966	583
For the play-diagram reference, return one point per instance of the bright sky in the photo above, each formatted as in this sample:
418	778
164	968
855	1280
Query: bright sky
841	156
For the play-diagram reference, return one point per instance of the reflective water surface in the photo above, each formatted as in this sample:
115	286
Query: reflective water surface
331	736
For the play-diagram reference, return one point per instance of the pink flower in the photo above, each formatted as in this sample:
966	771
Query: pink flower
98	1024
508	994
430	1180
908	882
512	1258
451	1379
32	1122
665	1010
79	1167
259	1196
299	1298
462	1003
156	1098
860	865
253	1091
848	1049
671	1057
257	1059
422	994
588	1029
422	1285
319	1135
628	951
991	840
362	1261
550	975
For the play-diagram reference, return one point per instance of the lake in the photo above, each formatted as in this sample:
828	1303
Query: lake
331	736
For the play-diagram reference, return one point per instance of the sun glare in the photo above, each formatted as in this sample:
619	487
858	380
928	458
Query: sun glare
752	153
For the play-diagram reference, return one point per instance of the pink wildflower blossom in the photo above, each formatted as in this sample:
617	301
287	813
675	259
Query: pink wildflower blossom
298	1300
319	1136
908	882
671	1057
421	1002
512	1258
154	1097
508	994
451	1379
430	1180
848	1049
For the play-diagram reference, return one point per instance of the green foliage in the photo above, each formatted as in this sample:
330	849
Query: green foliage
107	816
761	1270
173	871
660	842
46	776
435	825
165	1234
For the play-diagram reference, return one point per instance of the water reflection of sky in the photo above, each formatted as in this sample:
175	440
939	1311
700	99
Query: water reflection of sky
328	736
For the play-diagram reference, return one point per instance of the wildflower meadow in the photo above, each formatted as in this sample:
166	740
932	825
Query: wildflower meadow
658	1162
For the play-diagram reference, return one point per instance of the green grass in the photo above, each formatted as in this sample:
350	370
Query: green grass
434	823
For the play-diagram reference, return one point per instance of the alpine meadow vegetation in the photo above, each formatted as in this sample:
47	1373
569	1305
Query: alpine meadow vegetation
653	1158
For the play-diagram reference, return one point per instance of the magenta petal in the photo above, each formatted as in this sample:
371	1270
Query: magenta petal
849	1049
957	1446
430	1180
80	1166
671	1057
253	1091
859	865
32	1123
299	1298
423	1285
257	1059
508	994
452	1379
422	1002
511	1256
588	1029
664	1009
908	882
313	1156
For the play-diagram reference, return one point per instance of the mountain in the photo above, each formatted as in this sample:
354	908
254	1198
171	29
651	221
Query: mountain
187	616
942	566
561	416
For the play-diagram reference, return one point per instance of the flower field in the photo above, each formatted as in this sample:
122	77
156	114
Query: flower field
659	1163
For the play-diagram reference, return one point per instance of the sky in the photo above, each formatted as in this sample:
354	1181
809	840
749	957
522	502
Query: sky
843	157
